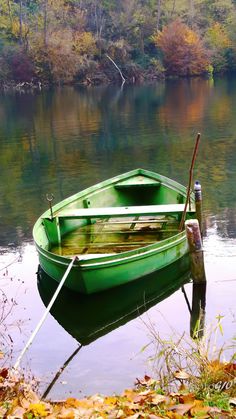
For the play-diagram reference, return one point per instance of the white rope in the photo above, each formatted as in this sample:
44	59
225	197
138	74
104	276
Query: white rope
45	314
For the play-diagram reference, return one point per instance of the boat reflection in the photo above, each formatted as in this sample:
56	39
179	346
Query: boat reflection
88	317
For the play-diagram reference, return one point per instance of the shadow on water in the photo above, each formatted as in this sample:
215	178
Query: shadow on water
88	317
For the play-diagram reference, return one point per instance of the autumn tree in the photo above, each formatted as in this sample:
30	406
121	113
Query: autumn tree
183	50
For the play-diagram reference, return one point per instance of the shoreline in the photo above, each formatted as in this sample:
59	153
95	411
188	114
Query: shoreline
145	400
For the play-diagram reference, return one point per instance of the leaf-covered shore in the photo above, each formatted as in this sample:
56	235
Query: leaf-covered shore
145	400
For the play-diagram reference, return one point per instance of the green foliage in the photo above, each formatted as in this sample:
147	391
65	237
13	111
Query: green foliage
158	66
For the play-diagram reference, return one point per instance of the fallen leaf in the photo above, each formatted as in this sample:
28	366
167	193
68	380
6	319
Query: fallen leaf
214	411
72	402
140	399
187	398
28	397
181	409
66	414
129	394
119	413
112	400
157	399
200	410
4	373
174	415
146	392
181	375
146	381
17	413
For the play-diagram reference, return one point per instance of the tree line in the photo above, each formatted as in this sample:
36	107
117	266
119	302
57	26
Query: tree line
70	41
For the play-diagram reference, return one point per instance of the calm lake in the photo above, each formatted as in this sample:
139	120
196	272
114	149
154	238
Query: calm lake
65	140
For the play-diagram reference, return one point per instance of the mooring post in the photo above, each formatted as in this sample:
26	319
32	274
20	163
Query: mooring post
195	250
198	203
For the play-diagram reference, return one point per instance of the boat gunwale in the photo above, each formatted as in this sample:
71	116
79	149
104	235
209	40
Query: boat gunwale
116	259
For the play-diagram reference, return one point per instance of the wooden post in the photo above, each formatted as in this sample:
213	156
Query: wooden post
195	251
198	203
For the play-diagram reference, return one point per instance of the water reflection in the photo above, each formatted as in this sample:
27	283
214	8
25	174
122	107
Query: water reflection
198	310
87	318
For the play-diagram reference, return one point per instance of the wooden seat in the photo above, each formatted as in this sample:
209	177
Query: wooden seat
133	211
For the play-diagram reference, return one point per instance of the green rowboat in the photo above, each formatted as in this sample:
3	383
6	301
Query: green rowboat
120	229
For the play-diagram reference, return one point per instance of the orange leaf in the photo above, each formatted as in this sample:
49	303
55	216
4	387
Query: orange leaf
187	398
174	415
110	400
72	402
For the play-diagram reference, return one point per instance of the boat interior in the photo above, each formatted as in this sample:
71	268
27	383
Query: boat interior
124	216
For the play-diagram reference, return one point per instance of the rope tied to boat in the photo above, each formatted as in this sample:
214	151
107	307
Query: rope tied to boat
43	318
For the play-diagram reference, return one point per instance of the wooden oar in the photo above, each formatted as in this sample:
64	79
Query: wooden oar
189	182
63	280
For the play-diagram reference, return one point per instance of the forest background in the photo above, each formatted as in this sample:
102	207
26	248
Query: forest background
74	41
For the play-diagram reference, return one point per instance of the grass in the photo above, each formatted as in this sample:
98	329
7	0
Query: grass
197	365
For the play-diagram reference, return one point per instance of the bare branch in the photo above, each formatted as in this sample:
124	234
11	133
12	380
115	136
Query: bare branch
113	62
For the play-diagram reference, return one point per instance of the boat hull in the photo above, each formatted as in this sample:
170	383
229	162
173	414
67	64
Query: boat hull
90	276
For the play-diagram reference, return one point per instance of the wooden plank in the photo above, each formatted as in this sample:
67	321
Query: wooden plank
128	232
137	185
133	211
137	182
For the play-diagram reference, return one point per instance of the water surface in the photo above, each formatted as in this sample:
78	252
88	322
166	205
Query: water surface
65	140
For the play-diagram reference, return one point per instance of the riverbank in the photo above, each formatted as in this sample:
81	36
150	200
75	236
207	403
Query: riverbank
18	400
104	76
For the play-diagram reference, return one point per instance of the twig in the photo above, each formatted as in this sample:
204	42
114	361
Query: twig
17	259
